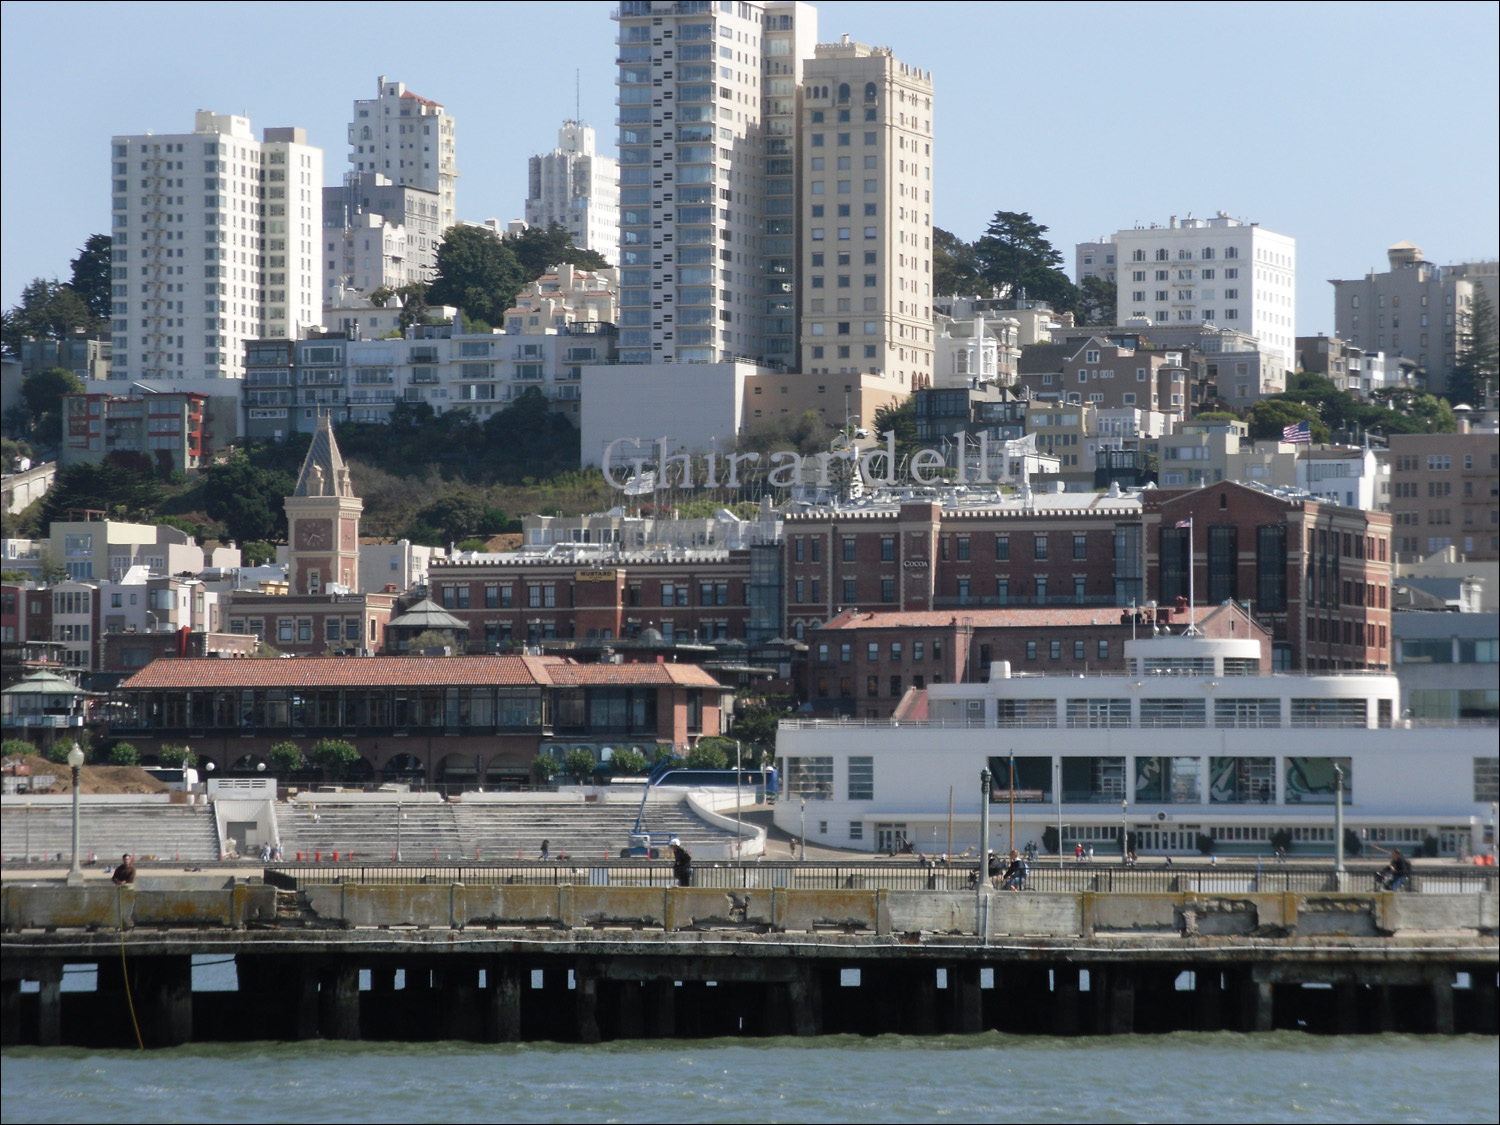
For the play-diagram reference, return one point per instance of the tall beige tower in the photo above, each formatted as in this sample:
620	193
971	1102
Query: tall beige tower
322	516
866	215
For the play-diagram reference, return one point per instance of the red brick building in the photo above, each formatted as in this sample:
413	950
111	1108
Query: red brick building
1317	576
864	663
695	595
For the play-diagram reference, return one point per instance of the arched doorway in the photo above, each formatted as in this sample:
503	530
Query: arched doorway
405	769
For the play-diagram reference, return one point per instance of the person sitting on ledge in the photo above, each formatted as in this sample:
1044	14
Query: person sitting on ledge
125	873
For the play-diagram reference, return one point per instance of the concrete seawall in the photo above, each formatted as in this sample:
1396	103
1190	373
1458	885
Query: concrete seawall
575	962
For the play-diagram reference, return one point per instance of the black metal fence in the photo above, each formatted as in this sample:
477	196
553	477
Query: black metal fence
1071	877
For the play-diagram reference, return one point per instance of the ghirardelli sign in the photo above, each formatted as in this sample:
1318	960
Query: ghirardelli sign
635	466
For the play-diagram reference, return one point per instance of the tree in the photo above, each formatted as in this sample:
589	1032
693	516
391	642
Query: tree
1096	302
17	748
287	757
1478	365
249	501
955	267
1015	258
478	272
124	754
177	757
414	305
756	728
628	763
1270	416
903	420
92	277
431	639
458	514
49	310
114	486
42	393
538	249
710	754
543	768
257	552
579	764
334	755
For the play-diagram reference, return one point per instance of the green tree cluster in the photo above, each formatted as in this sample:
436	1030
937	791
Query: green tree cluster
118	485
1015	259
247	499
526	439
50	309
287	758
482	273
334	755
1477	372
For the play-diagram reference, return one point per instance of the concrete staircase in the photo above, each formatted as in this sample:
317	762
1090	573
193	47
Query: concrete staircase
368	829
582	831
153	831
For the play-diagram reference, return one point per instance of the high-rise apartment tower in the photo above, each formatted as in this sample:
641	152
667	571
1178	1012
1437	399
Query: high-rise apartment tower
410	141
216	241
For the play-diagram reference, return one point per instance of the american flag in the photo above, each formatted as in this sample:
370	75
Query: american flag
1183	523
1300	434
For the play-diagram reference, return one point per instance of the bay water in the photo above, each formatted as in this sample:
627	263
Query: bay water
1225	1077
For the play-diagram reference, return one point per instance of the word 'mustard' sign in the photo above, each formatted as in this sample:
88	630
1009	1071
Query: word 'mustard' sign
782	469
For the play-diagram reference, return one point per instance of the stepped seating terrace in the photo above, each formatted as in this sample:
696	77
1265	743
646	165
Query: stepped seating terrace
368	830
501	831
147	831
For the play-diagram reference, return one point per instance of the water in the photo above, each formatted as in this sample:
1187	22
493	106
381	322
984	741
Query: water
1185	1077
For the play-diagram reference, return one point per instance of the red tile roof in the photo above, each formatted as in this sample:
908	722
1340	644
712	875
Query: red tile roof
608	675
210	673
1019	617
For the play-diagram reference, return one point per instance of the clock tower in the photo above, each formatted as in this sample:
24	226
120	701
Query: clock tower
322	517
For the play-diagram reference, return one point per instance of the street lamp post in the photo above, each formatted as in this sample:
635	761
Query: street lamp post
803	805
1124	834
739	836
1338	827
985	783
1012	800
75	760
399	818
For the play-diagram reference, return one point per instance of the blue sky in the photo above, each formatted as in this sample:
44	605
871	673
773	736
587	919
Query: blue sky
1349	127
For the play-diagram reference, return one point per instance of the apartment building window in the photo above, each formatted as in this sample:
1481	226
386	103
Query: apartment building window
848	591
848	548
963	548
1002	547
887	590
1039	547
887	548
1080	547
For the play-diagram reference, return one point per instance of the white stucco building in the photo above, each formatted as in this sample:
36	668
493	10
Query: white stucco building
577	188
1219	271
408	139
1195	741
216	241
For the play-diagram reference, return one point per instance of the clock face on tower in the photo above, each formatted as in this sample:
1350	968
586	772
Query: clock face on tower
313	534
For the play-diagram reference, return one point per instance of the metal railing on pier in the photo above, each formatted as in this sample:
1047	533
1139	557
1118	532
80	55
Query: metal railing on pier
894	875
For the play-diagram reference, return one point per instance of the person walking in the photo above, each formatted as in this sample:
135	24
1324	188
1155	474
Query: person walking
682	863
